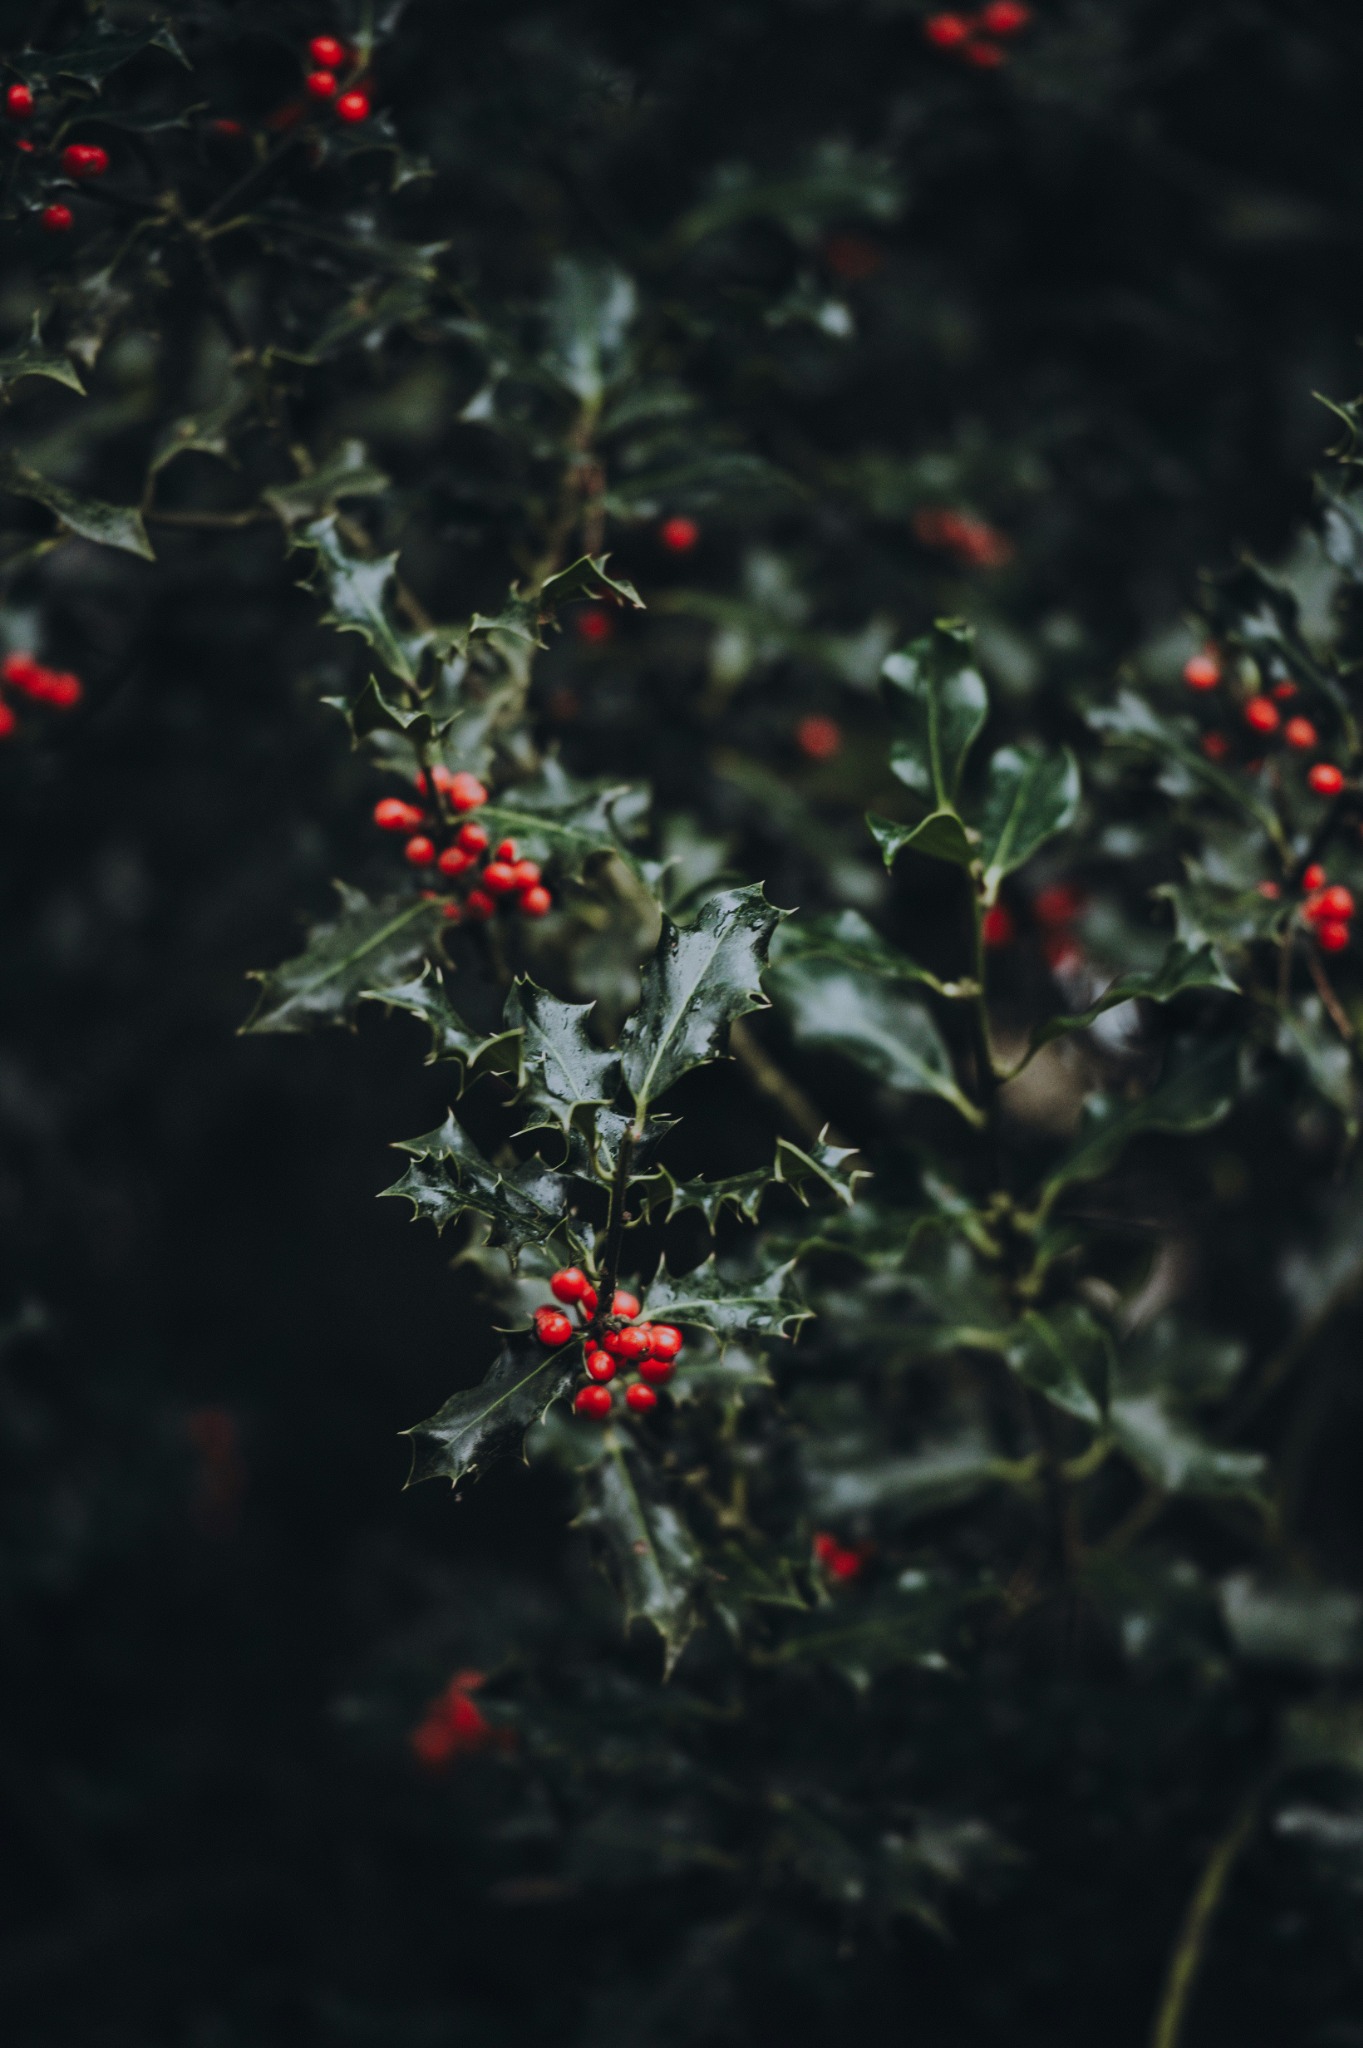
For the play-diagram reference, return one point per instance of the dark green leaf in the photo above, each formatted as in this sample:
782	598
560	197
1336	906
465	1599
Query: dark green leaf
112	526
728	1306
1175	1454
700	979
656	1559
1171	742
200	433
1066	1356
1028	798
822	1169
369	946
449	1177
361	592
938	703
941	834
590	310
846	937
1196	1093
93	56
1180	970
836	184
1293	1622
488	1421
451	1038
914	1623
556	818
562	1066
831	1008
348	473
31	359
942	1474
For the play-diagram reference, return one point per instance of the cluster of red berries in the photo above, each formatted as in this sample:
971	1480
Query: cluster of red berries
1055	909
494	875
454	1725
22	672
79	160
1328	907
974	542
976	38
328	57
650	1348
842	1561
1261	713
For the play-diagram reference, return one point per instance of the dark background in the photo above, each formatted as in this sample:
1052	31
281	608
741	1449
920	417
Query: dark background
219	1613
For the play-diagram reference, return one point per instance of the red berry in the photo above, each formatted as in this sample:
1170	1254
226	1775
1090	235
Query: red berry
594	624
600	1365
535	902
624	1304
391	814
593	1401
628	1345
1284	691
466	792
679	535
500	877
1005	17
1336	902
353	107
8	721
997	927
552	1326
664	1341
569	1284
85	160
20	669
453	861
19	102
61	689
818	738
419	852
1262	714
589	1302
327	51
1057	905
1325	779
526	871
1214	745
228	129
1203	672
1269	891
1314	876
452	913
984	56
506	849
1332	936
479	905
1300	733
641	1399
57	220
320	85
946	31
472	839
658	1371
1062	955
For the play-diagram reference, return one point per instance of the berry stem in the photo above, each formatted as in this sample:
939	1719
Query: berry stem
615	1229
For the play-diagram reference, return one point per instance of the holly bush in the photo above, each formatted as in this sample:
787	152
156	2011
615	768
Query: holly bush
669	545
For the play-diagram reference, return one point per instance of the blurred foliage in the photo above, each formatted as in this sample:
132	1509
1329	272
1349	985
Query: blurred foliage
774	456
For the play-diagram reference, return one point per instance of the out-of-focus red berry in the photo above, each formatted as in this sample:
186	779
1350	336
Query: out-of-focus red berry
594	624
1057	905
1325	779
973	542
997	927
85	160
1332	935
225	127
453	861
984	56
420	851
841	1560
536	902
1005	18
1336	902
525	873
946	31
505	849
853	258
1284	692
320	85
19	102
641	1399
1313	877
353	107
1270	891
466	793
1301	734
500	877
817	737
8	721
1214	745
391	814
327	51
56	220
1261	714
679	534
472	838
480	905
1203	672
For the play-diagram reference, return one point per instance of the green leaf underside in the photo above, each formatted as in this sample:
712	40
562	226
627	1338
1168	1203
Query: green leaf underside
656	1559
1180	971
728	1306
110	526
1029	797
490	1420
701	978
831	1008
449	1178
938	701
370	945
562	1066
940	835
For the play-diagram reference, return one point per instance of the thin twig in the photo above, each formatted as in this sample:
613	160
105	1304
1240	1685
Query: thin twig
1191	1946
615	1230
1339	1016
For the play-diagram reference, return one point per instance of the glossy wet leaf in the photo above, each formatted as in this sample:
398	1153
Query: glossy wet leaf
95	55
110	526
655	1559
348	473
846	937
450	1178
1181	971
938	704
589	312
361	594
701	978
914	1622
941	835
1177	1454
490	1421
1029	797
33	358
1067	1356
369	945
451	1039
728	1304
564	1069
835	1009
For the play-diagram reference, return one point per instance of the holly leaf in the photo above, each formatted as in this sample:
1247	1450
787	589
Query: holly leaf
728	1305
1067	1356
31	359
832	1008
563	1068
1134	723
111	526
589	311
199	433
347	473
94	56
1175	1454
938	702
940	835
451	1039
449	1177
1180	971
526	617
1028	798
556	818
360	590
846	937
823	1169
1195	1094
656	1559
915	1623
487	1421
701	978
370	945
943	1473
